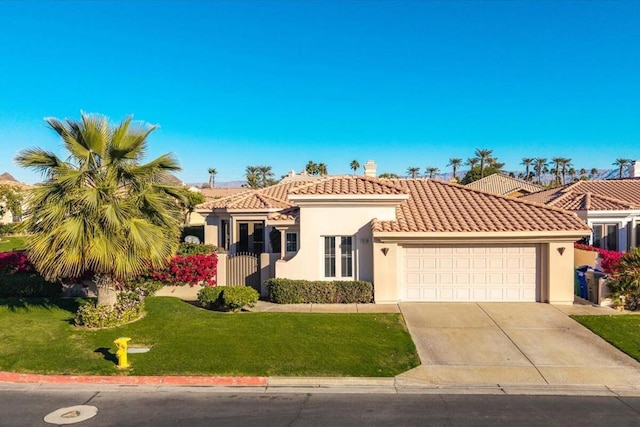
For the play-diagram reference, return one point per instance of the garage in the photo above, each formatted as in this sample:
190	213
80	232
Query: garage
459	273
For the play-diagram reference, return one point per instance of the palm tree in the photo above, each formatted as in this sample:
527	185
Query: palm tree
388	175
593	172
101	210
252	174
322	169
564	164
472	162
212	176
265	175
432	171
621	163
527	162
455	163
354	165
583	174
572	174
556	169
540	163
312	168
484	155
413	171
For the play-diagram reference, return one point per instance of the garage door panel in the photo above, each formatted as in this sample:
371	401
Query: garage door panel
469	273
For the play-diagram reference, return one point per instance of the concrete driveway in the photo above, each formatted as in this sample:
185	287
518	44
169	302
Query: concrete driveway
503	343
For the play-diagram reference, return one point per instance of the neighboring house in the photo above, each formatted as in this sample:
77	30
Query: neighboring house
9	180
505	185
610	207
415	239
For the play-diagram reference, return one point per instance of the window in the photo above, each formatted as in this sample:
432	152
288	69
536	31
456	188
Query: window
637	234
292	242
338	247
605	236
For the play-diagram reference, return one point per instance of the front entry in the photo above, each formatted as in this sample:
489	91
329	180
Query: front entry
250	237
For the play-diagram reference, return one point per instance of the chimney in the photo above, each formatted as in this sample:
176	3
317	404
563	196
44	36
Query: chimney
370	168
634	169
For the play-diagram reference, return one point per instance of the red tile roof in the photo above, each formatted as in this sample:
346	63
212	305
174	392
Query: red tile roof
344	185
605	195
439	206
503	185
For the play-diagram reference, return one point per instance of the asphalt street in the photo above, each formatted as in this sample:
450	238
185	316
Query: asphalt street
174	407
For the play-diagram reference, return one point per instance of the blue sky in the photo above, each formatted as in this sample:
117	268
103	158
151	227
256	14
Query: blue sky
280	83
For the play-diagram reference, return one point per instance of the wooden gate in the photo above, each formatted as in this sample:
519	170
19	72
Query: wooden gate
243	269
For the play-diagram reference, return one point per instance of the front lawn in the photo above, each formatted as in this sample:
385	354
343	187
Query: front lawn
11	243
622	331
37	336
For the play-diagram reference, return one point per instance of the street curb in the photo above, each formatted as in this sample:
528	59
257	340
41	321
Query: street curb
178	380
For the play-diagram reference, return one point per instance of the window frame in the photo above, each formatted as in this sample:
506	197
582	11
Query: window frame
286	241
605	239
338	257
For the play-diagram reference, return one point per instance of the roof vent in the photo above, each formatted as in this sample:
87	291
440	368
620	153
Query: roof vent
370	168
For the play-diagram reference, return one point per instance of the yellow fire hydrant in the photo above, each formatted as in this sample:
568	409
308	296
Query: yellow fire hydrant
121	352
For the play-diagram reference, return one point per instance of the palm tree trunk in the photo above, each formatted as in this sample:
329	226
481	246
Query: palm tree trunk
107	289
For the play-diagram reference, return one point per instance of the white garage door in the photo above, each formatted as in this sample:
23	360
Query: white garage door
469	273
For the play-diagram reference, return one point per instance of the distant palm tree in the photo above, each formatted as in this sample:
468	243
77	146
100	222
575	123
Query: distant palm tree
472	162
413	171
455	163
527	162
564	164
252	174
432	171
484	155
593	172
388	175
100	210
540	163
312	168
322	169
556	169
572	175
265	175
621	163
354	165
583	173
212	176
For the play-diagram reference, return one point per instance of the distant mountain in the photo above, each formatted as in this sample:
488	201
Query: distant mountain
7	177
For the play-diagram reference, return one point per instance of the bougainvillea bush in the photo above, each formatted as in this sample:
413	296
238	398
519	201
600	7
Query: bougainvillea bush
189	270
15	262
610	259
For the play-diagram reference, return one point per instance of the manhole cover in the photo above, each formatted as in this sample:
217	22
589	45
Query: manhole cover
71	415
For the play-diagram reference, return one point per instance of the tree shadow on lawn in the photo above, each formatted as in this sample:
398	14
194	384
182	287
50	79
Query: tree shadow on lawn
106	353
17	304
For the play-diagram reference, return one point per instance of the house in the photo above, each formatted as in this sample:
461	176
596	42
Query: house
610	207
415	239
6	179
505	185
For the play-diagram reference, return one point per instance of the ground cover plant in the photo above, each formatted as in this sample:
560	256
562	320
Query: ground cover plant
623	331
38	336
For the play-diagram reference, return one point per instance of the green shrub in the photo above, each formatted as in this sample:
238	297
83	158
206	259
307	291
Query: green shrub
8	228
28	285
128	308
209	296
234	298
625	282
350	292
288	291
147	286
228	298
199	249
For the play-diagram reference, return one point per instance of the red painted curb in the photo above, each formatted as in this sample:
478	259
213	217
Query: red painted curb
181	380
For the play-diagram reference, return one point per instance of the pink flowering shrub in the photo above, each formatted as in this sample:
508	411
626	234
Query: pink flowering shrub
15	262
189	270
610	259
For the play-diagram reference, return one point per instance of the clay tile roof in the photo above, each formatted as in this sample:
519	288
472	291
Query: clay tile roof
613	194
345	185
289	214
438	206
272	197
502	184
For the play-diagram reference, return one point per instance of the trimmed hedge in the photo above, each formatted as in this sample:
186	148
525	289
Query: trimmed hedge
228	298
199	249
129	307
28	285
288	291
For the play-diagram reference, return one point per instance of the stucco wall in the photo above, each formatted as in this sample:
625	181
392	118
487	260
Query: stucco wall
560	272
211	235
386	272
337	220
582	257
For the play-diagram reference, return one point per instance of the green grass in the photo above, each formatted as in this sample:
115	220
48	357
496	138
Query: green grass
37	336
623	331
10	243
